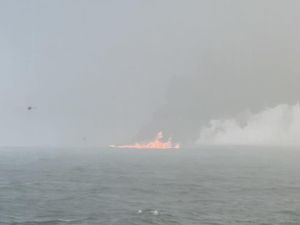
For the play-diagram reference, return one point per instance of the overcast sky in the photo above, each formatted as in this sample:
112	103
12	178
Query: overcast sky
104	72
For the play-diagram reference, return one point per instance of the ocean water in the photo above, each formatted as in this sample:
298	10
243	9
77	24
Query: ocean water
213	186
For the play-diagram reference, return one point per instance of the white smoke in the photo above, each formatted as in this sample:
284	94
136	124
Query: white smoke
278	126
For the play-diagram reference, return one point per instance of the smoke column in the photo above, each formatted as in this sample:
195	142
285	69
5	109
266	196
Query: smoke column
192	101
244	58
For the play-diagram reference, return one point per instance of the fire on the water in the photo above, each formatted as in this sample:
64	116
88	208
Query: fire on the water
157	143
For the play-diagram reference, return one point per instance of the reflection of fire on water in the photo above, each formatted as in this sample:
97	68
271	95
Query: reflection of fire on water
158	143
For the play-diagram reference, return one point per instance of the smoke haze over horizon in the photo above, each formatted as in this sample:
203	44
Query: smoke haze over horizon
112	72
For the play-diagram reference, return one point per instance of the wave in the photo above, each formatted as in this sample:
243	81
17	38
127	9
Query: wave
45	222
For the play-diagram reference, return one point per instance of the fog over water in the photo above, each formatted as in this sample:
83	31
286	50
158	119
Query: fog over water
105	72
136	112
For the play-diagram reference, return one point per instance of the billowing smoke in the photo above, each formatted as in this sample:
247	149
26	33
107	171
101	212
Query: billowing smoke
192	101
246	58
279	126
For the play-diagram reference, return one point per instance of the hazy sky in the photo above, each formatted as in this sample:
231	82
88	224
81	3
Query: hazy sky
102	72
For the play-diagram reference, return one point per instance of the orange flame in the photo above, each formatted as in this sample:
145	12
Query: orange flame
158	143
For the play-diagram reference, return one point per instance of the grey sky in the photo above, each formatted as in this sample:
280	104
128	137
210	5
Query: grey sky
97	71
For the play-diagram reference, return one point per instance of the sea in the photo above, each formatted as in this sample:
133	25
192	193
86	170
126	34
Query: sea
105	186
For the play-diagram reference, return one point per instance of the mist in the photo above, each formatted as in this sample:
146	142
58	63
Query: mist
99	73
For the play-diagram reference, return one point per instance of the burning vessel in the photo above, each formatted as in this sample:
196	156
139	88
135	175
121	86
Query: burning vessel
157	143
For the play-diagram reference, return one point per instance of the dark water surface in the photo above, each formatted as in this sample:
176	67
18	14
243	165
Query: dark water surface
135	187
